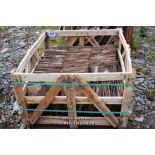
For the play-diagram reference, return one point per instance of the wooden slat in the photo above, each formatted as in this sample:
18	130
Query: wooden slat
92	41
105	32
71	105
127	97
116	42
47	42
79	100
59	120
51	77
30	53
71	41
20	98
99	104
44	103
127	50
121	61
81	41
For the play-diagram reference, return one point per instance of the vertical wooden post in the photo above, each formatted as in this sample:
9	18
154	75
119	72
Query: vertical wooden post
117	42
81	41
127	97
129	33
71	105
20	98
19	93
68	27
47	41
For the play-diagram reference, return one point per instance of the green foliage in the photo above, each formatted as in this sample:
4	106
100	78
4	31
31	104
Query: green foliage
46	27
58	41
143	31
136	44
151	57
61	41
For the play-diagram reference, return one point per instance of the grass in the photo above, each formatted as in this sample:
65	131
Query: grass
136	44
144	31
46	27
59	41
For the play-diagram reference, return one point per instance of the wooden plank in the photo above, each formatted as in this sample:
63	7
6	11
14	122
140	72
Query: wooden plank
51	77
30	53
47	42
71	41
99	104
116	42
129	33
59	120
81	41
20	98
121	61
71	105
44	103
127	97
78	100
105	32
92	41
127	50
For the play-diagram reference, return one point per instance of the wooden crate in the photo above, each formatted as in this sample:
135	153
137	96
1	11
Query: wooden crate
40	65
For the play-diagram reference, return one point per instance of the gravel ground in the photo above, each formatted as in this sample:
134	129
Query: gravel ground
142	108
14	42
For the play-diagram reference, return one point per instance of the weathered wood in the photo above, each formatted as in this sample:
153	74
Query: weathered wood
47	42
121	61
59	120
116	42
71	105
81	41
99	104
51	77
71	41
105	32
129	33
20	98
104	59
78	100
127	97
44	103
92	41
58	61
127	50
30	53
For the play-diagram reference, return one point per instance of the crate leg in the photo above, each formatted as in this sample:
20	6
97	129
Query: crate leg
47	42
127	97
71	105
20	98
